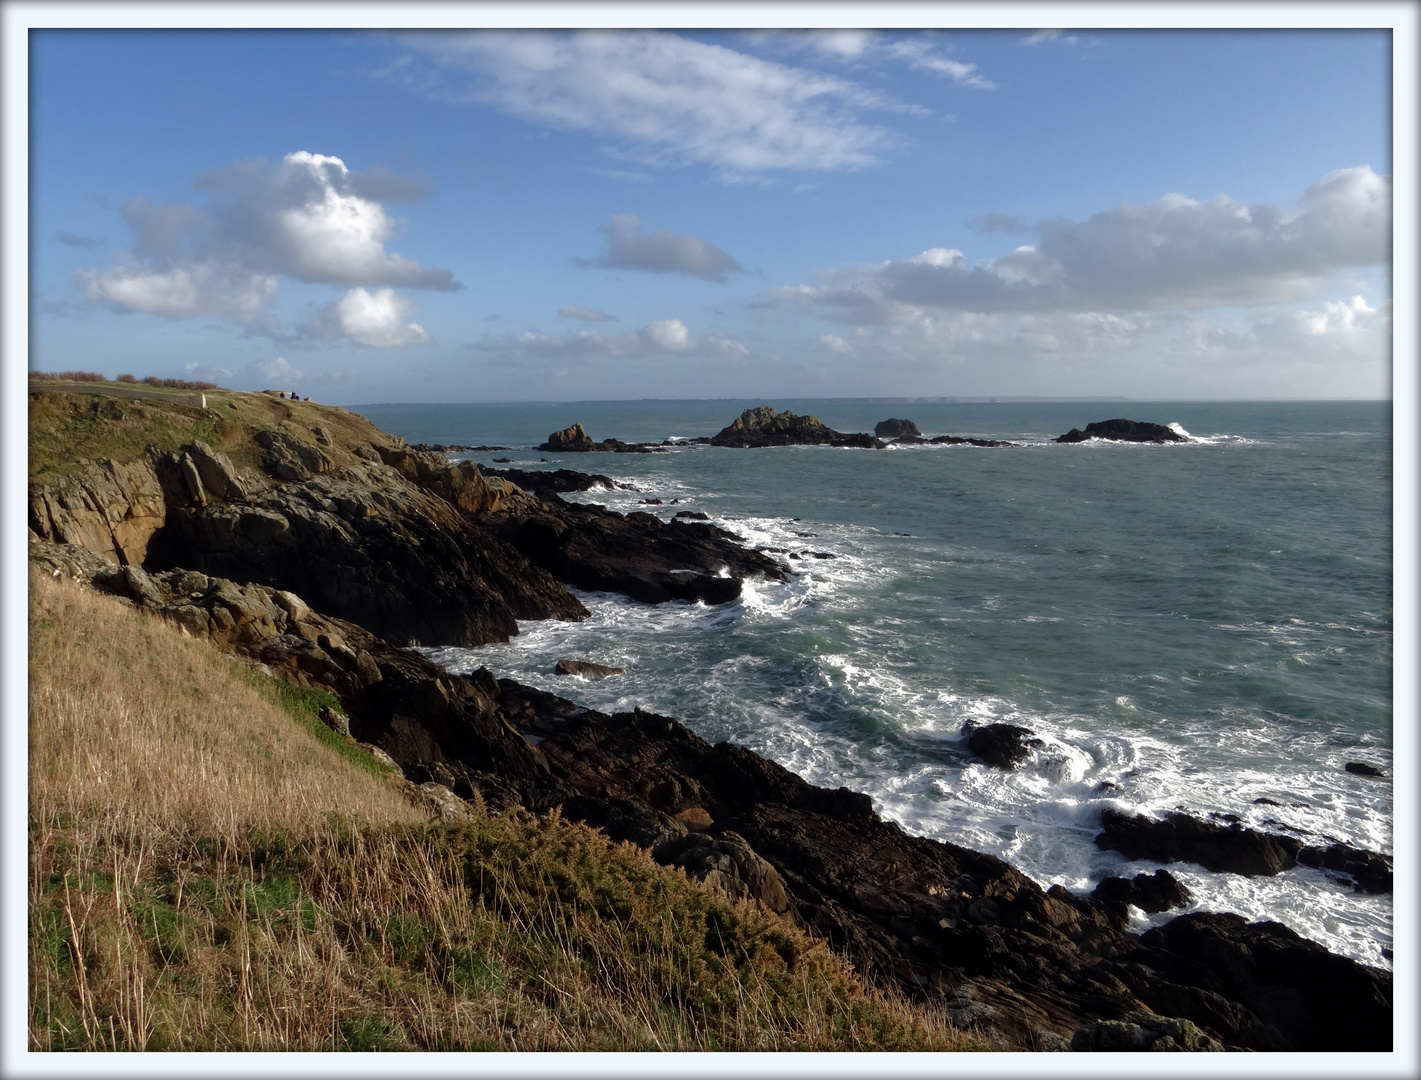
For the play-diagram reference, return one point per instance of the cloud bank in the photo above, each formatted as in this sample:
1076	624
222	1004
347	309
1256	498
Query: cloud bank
658	340
1175	254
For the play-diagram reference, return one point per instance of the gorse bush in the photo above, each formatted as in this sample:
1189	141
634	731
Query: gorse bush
208	873
66	376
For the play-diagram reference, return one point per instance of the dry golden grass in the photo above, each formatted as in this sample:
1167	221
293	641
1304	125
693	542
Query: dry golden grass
134	724
207	875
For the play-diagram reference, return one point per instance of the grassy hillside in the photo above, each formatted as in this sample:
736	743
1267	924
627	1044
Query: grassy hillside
67	427
210	868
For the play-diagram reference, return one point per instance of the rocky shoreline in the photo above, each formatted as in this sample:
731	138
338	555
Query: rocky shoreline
327	555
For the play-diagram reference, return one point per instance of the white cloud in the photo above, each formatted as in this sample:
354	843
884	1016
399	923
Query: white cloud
183	292
660	252
1175	254
577	311
378	320
666	337
308	217
277	372
835	344
918	53
666	99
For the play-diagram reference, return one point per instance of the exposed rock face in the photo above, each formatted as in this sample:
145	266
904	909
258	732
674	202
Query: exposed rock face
587	670
1371	871
1004	746
388	555
896	429
1155	892
1123	431
764	426
110	508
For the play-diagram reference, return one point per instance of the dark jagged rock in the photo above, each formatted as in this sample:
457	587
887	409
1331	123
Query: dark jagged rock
394	558
1155	892
638	554
1124	431
691	515
764	426
1232	849
1004	746
955	440
587	670
555	480
896	429
575	440
1361	768
1371	870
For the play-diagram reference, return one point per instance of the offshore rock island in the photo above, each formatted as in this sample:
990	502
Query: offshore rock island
303	539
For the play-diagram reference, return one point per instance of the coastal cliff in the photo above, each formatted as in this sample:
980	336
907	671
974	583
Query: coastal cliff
315	545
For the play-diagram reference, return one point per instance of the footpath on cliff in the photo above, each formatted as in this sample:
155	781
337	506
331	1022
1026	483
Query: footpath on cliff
301	538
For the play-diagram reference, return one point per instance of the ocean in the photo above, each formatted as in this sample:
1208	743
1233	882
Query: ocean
1190	626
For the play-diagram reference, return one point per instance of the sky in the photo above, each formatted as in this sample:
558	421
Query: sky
458	216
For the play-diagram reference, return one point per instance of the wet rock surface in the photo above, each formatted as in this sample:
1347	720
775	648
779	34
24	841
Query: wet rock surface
1124	431
1003	746
894	428
1152	893
574	440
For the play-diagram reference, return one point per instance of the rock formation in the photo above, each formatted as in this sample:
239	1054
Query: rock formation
764	426
1124	431
896	429
575	440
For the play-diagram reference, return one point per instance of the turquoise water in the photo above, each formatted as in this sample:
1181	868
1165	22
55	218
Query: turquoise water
1198	625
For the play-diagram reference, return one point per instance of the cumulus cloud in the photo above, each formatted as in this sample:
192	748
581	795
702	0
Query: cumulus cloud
577	311
666	99
377	320
666	337
660	252
308	217
1175	254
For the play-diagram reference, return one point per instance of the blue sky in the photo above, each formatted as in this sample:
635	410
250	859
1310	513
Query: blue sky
465	216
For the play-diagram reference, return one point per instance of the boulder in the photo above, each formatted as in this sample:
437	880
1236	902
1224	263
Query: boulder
568	439
896	429
587	670
1124	431
1152	893
1003	746
217	472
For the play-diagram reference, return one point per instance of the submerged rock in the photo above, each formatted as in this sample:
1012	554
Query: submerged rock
587	670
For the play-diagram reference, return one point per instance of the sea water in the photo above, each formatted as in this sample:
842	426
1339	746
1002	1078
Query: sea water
1190	626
